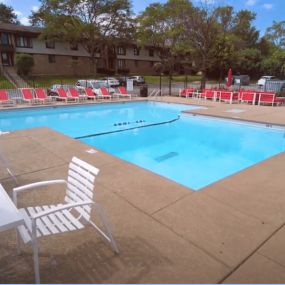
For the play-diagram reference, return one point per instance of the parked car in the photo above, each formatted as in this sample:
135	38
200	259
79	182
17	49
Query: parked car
241	79
111	81
122	80
52	91
261	82
94	84
137	80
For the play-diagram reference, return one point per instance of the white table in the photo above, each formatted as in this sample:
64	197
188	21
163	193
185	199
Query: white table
10	217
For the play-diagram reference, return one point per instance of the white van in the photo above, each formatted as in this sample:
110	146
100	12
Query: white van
261	82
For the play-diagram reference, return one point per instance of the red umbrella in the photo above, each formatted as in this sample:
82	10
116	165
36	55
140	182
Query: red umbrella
230	78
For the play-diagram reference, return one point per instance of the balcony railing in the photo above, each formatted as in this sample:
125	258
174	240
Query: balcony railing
7	48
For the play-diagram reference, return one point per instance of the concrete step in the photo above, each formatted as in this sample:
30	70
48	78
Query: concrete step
10	73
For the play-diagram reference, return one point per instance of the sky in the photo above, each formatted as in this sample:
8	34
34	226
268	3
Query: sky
266	11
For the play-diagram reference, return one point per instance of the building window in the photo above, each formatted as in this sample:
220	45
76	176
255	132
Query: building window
151	52
50	44
121	50
4	39
73	46
121	63
136	63
24	42
51	58
136	51
74	57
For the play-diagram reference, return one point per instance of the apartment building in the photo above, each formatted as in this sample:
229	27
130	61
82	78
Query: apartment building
61	58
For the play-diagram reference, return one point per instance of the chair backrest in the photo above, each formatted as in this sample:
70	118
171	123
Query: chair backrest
266	97
27	93
122	90
40	93
104	91
247	96
80	184
4	95
89	92
73	92
225	95
209	93
62	93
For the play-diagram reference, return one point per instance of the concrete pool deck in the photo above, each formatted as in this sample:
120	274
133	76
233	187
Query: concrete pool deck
229	232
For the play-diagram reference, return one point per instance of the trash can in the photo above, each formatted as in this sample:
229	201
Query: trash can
144	91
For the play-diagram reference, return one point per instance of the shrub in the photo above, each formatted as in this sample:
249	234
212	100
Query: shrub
123	71
24	63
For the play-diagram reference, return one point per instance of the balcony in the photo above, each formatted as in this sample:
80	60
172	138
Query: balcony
6	48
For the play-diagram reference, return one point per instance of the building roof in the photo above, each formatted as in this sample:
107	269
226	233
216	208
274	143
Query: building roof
7	27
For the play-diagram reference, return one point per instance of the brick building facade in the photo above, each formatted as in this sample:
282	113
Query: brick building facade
61	58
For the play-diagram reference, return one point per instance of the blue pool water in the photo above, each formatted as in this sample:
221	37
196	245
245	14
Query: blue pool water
193	151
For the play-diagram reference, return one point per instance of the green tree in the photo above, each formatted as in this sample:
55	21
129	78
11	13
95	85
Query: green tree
162	26
96	25
224	53
274	64
244	30
24	63
7	14
201	30
249	61
276	34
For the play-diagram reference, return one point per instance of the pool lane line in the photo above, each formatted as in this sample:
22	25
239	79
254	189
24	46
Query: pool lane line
133	128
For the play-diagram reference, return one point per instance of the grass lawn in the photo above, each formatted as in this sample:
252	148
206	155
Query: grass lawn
179	78
47	81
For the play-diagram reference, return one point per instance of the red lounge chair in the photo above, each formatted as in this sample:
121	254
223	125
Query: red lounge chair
75	94
89	93
41	94
270	98
228	96
27	95
210	94
5	100
104	93
203	93
187	92
248	97
62	95
123	92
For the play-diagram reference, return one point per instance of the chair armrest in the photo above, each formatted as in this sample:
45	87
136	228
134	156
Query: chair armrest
34	185
60	208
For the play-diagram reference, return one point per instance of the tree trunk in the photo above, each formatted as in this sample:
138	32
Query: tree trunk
204	68
170	83
93	63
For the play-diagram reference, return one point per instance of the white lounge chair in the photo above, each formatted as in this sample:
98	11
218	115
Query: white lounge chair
55	219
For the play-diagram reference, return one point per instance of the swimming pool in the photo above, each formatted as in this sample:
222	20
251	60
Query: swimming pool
192	150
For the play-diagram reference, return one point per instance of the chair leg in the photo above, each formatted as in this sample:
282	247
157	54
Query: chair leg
35	252
107	227
18	242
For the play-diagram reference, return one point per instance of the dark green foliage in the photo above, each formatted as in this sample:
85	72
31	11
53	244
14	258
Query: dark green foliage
7	14
24	63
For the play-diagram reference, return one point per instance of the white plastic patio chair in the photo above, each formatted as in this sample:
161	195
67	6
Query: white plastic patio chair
71	215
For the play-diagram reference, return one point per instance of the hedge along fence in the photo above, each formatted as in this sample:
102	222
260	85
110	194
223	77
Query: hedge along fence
5	84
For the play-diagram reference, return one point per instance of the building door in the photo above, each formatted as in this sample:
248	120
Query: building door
7	58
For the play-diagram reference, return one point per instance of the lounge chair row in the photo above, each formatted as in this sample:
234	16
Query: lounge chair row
39	95
241	96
